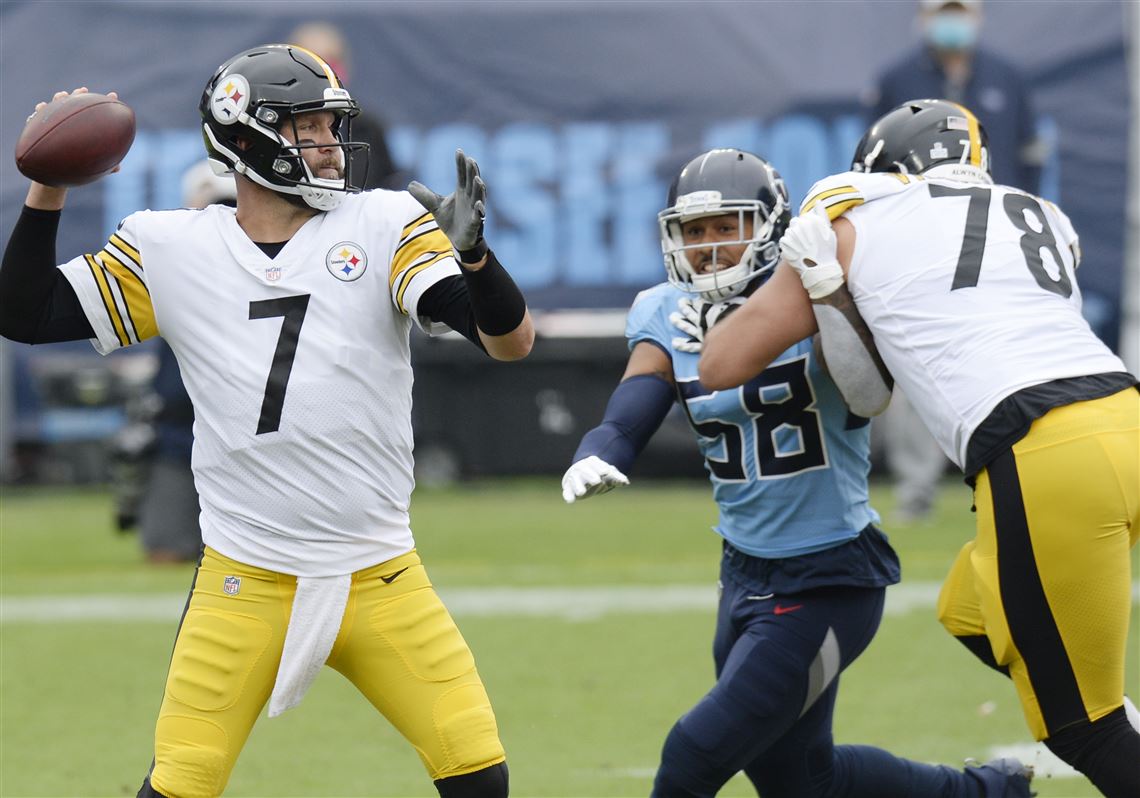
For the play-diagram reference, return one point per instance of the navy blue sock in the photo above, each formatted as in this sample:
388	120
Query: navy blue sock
863	771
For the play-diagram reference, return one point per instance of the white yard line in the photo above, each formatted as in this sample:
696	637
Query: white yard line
566	603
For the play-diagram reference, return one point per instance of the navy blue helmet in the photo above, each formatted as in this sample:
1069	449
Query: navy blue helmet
718	182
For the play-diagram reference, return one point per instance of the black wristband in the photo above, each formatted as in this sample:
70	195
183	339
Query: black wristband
475	254
496	301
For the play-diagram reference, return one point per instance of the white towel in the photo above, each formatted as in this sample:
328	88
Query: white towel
318	610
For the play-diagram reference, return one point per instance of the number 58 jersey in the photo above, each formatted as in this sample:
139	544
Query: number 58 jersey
969	290
298	367
787	461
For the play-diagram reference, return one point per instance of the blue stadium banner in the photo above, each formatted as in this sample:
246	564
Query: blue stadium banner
578	112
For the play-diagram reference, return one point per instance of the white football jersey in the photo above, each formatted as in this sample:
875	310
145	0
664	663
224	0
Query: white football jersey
298	367
969	290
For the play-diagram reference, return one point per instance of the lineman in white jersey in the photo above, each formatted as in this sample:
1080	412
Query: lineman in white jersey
290	318
969	291
804	569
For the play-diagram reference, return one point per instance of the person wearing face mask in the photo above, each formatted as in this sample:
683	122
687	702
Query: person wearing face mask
950	64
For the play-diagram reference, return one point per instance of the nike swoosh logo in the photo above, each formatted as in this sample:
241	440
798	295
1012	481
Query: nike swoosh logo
760	598
781	610
391	577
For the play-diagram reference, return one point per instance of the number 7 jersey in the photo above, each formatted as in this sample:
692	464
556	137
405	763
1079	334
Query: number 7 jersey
969	290
298	367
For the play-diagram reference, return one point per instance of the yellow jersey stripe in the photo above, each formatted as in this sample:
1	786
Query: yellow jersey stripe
414	249
811	201
840	208
328	70
412	272
136	296
901	177
108	301
115	264
115	286
412	225
975	137
126	249
414	244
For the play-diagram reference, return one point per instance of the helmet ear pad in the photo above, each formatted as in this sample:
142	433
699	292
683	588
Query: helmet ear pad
715	183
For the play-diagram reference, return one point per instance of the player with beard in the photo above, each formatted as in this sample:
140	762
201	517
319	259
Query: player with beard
290	317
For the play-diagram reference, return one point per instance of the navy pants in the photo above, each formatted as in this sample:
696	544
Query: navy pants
778	659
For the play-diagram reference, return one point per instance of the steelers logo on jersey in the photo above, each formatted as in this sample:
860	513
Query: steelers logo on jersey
346	261
230	99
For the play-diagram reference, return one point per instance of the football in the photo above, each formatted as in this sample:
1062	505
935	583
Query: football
75	140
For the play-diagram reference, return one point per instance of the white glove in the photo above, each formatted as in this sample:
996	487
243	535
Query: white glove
590	476
695	317
809	248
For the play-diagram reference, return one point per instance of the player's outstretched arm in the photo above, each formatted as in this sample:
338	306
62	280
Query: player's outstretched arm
738	348
816	252
504	323
636	409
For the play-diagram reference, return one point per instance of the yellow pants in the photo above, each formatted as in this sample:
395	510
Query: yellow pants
1047	578
397	644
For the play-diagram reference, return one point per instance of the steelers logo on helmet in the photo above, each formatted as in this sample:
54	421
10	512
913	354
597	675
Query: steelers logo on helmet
346	261
230	99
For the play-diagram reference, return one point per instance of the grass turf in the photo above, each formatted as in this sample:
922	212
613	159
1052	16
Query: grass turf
583	704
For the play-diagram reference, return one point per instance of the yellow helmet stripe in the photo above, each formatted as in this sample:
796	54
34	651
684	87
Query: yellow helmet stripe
975	137
328	69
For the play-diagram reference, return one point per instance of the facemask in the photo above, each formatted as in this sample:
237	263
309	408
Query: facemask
952	31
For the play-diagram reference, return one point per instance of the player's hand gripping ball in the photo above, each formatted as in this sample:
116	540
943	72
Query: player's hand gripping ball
75	139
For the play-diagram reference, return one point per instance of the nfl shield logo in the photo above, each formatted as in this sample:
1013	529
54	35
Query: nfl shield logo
231	585
273	273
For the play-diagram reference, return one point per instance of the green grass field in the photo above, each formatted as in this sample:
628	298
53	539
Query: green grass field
586	678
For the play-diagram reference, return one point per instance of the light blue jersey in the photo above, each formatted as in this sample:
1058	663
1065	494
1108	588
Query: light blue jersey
787	460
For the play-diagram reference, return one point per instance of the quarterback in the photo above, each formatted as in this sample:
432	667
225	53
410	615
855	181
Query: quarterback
290	317
969	291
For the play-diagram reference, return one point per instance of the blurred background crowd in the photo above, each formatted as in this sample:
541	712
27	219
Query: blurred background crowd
578	113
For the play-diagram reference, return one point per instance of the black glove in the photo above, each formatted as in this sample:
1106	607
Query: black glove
459	214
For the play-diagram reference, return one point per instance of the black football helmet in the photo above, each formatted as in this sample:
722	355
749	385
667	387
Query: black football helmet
717	182
936	138
253	96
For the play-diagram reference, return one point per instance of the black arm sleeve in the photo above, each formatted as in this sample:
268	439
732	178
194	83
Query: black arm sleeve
497	302
449	303
37	303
